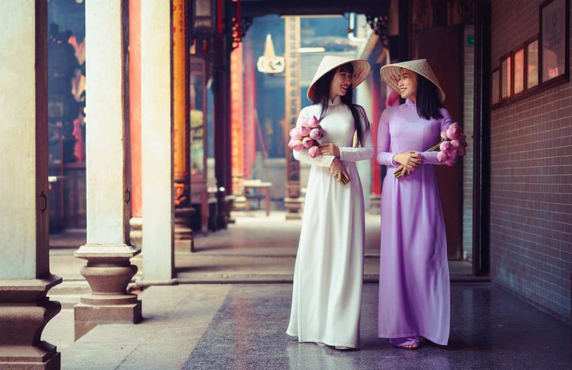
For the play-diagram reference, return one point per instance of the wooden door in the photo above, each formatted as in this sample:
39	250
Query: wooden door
443	48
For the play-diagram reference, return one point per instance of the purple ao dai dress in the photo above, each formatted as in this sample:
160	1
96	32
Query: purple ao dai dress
414	273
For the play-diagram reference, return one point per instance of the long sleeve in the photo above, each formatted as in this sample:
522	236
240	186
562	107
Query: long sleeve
322	160
431	157
384	156
361	153
303	156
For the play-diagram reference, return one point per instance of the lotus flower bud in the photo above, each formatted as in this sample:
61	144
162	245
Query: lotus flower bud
294	134
291	143
442	157
444	134
453	132
314	151
304	130
313	122
462	151
308	142
298	145
456	143
316	133
445	146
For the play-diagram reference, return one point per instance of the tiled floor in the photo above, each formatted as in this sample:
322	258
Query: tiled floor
490	329
242	327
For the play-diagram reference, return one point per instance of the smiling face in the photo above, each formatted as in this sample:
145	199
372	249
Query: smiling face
407	84
341	82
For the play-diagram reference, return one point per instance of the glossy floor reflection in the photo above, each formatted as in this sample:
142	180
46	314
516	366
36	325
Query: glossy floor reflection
490	329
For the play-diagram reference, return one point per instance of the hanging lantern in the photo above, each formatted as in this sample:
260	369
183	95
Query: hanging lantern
202	21
269	62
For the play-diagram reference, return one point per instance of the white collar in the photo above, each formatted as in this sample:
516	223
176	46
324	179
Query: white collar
336	101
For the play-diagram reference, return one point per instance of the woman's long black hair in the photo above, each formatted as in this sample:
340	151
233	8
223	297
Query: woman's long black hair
322	94
428	103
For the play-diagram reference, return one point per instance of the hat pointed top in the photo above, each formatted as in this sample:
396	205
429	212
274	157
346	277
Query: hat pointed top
390	74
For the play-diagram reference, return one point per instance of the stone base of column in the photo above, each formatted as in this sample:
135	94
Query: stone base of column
374	204
24	312
294	208
230	199
183	217
224	204
183	229
136	233
88	316
52	363
108	272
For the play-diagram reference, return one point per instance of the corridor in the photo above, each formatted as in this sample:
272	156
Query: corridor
242	327
131	167
254	249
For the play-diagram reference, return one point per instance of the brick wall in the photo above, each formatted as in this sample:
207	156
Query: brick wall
531	177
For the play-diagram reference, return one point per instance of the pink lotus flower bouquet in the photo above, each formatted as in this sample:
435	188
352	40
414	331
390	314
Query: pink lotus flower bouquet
453	144
306	136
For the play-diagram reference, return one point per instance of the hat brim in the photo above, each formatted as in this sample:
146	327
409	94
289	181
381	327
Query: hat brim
362	69
391	72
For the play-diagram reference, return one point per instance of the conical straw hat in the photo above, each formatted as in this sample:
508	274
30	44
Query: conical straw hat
390	74
328	63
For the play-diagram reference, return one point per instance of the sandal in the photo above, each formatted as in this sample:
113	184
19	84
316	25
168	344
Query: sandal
407	343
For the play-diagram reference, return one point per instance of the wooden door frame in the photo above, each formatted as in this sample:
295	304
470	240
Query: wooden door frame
482	140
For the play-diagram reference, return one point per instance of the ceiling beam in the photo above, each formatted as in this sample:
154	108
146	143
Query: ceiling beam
258	8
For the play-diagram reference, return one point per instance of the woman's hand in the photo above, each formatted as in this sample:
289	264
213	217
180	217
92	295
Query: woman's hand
404	170
330	149
409	161
337	169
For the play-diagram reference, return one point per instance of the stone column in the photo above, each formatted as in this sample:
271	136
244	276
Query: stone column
293	200
364	97
25	276
378	93
157	140
108	269
136	221
181	129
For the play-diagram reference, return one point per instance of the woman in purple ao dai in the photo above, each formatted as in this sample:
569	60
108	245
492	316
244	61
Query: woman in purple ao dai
414	273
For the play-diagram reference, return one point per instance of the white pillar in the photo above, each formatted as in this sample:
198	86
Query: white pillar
157	140
363	98
107	250
25	276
